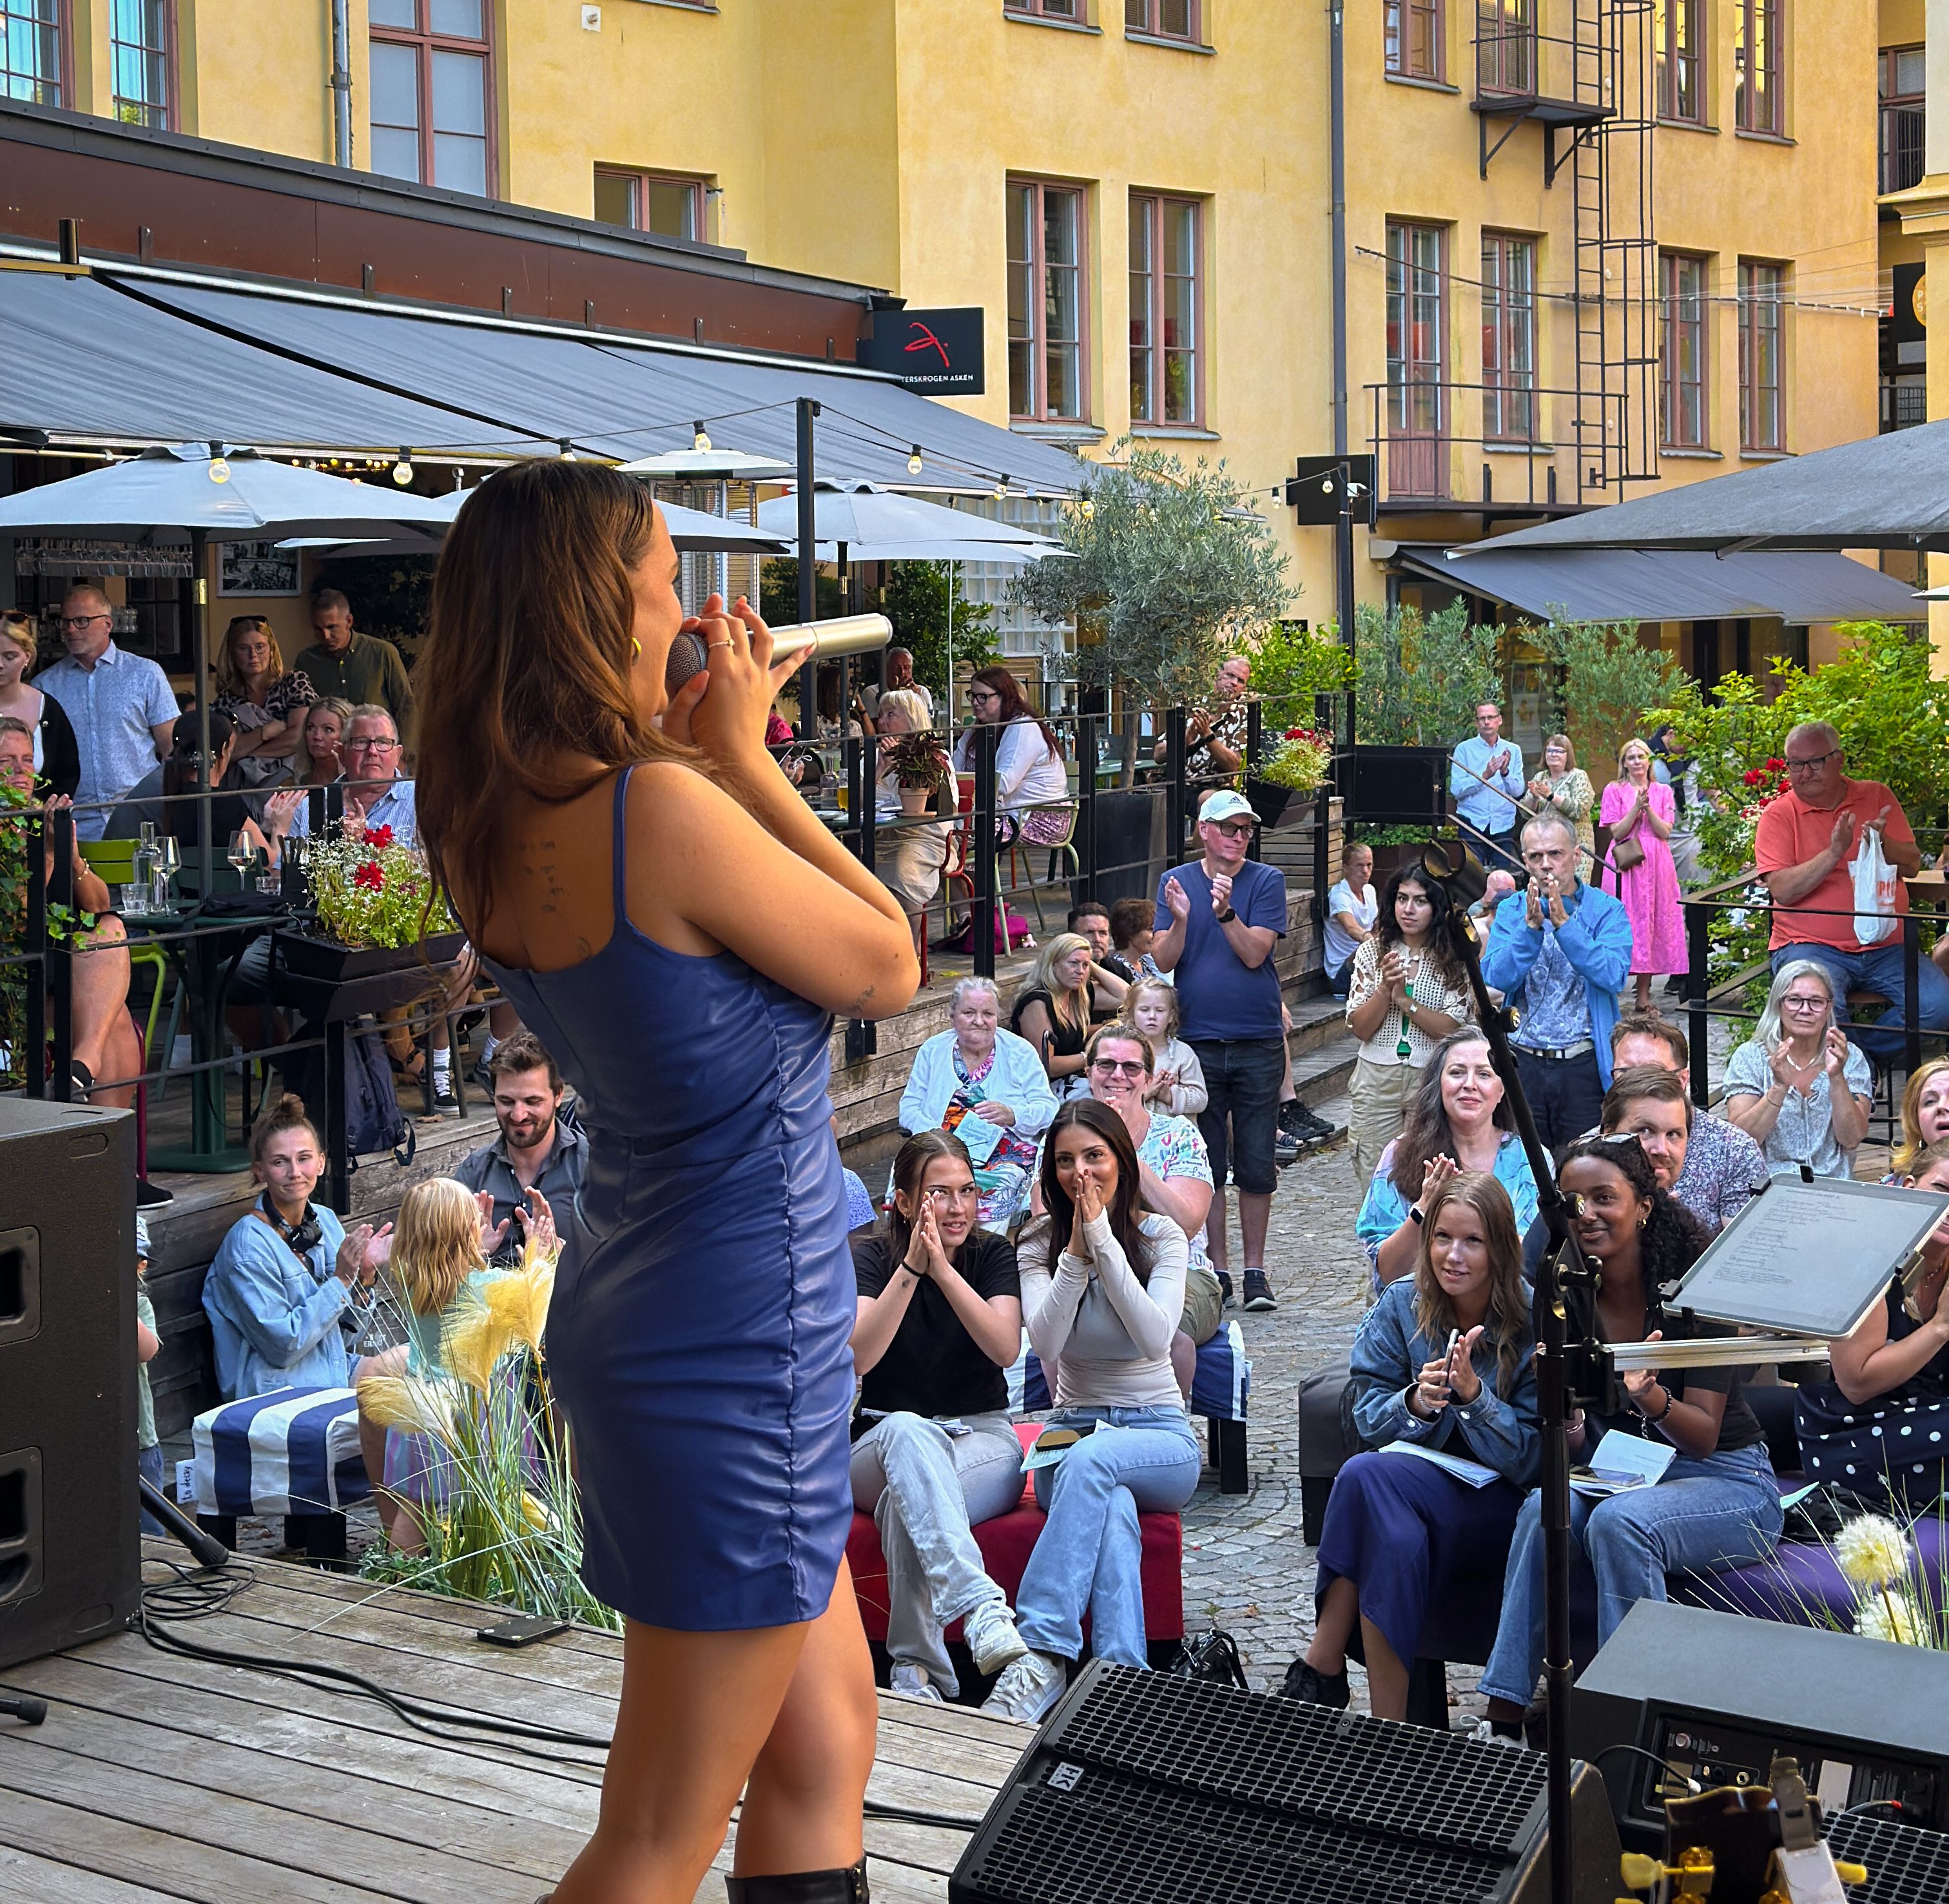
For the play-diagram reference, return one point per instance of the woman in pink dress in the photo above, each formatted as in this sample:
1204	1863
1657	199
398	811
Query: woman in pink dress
1638	811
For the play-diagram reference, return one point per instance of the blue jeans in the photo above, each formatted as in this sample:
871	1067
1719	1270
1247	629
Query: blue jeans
1088	1558
1878	969
1723	1510
149	1465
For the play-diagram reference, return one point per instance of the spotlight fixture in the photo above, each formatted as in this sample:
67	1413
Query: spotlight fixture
700	440
914	462
403	470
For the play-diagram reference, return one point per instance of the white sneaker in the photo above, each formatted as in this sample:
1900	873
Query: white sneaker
1028	1689
910	1681
1483	1733
990	1632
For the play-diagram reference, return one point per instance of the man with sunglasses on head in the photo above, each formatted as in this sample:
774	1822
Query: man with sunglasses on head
1806	842
1218	920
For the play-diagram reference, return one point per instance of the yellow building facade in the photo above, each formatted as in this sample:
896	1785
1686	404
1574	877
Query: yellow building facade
1137	194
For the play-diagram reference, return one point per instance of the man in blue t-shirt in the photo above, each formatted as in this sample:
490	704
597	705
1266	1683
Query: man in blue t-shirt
1218	920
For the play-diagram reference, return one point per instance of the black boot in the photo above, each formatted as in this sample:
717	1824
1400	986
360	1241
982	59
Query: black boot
847	1887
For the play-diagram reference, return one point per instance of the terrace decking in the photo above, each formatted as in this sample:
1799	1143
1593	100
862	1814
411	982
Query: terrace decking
157	1777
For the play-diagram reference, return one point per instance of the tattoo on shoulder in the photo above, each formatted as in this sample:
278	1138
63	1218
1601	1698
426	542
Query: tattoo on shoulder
860	1004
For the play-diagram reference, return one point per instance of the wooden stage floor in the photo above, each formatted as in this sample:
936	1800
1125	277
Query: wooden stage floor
159	1777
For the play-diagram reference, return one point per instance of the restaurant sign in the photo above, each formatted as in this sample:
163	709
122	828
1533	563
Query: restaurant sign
938	352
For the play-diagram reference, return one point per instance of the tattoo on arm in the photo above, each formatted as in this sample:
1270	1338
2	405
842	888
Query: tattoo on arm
860	1004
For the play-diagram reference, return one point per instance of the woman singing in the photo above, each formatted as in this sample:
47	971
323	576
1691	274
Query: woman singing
673	921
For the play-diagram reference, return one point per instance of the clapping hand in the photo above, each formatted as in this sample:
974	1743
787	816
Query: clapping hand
361	1253
538	1222
1221	891
1177	900
1533	905
1785	1072
936	1254
280	809
1162	1085
1431	1388
1086	1207
1465	1385
1834	1053
1842	837
1639	1383
1434	1173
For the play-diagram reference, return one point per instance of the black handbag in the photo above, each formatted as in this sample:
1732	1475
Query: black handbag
1210	1655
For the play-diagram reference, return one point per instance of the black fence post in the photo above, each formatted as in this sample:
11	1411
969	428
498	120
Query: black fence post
1254	751
60	954
863	760
1911	977
1174	769
32	1064
1698	953
981	843
1087	730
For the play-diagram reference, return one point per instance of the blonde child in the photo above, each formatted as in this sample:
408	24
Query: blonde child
1150	1006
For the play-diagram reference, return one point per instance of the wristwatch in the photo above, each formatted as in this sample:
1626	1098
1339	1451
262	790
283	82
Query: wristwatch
1226	917
1414	1216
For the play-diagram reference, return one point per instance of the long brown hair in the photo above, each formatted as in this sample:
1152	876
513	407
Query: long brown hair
229	677
1014	703
1506	1323
527	658
1123	1208
1426	1132
910	1165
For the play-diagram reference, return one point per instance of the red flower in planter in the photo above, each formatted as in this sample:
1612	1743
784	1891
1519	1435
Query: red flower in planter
1754	777
371	876
380	837
1778	765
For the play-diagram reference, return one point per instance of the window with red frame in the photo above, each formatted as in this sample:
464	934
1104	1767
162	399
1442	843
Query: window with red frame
31	51
1505	46
1076	11
1045	354
1508	337
1676	31
1164	19
1413	29
141	50
1681	354
1165	295
649	201
1417	323
1756	67
1762	411
430	88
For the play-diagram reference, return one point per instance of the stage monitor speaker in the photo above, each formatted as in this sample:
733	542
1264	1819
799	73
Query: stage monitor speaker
1905	1864
1716	1695
70	1558
1399	786
1141	1788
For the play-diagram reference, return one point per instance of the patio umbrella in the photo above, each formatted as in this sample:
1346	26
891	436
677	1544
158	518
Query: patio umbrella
879	525
199	493
1884	492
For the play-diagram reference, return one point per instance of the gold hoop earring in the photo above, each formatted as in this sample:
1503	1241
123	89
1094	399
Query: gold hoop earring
636	649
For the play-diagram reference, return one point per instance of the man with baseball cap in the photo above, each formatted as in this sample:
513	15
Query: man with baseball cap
1218	920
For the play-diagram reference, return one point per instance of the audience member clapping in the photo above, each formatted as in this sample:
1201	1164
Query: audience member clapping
1460	1121
1103	1284
1443	1361
1177	1084
1798	1087
1051	1010
933	1451
1879	1428
538	1157
1721	1167
976	1069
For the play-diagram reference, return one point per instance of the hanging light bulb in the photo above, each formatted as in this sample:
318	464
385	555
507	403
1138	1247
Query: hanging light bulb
700	440
1088	506
403	470
914	462
1001	487
568	451
220	470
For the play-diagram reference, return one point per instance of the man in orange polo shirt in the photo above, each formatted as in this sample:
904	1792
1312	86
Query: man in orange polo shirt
1806	842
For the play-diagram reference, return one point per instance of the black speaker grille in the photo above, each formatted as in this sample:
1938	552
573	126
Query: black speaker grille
1907	1864
1344	1768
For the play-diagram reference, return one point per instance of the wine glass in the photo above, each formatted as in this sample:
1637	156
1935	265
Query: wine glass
167	864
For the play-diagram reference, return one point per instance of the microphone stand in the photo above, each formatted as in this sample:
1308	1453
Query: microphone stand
1571	1361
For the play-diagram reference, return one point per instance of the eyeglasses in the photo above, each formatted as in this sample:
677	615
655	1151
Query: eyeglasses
1231	828
963	1193
1792	1002
80	621
370	746
1811	762
976	696
1120	1067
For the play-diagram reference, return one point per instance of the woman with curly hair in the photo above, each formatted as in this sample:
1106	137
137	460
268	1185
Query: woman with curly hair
1717	1505
1443	1361
1407	989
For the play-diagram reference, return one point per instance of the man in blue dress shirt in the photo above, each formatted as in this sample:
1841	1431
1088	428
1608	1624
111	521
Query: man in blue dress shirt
1485	775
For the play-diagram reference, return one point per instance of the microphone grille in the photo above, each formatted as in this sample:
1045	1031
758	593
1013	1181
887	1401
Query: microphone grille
686	658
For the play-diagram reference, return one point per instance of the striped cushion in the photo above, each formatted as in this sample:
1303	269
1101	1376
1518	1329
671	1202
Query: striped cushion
1219	1385
292	1451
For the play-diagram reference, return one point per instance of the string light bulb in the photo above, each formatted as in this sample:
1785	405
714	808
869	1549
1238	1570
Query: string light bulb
1001	488
914	464
403	470
700	440
568	451
220	470
1088	507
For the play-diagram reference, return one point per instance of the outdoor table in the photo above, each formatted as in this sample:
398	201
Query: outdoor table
204	957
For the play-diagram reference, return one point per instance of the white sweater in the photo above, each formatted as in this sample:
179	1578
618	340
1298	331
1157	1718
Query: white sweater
1109	1334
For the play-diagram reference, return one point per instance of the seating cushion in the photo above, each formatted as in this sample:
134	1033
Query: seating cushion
1006	1542
292	1451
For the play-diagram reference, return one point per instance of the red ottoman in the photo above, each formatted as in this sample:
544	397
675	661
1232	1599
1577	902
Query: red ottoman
1006	1543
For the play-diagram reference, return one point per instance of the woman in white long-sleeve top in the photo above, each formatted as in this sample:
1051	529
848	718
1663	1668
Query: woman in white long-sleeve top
1102	1283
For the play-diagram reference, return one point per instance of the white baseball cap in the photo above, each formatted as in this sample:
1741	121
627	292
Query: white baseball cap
1226	804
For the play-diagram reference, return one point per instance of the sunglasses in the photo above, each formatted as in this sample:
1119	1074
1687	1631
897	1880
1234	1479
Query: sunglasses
1120	1067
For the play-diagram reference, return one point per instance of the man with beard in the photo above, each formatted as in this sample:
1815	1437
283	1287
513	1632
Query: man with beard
536	1151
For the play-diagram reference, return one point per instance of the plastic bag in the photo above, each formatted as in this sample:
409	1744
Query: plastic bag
1875	890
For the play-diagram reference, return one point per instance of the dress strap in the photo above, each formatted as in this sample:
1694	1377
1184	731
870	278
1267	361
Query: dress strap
619	855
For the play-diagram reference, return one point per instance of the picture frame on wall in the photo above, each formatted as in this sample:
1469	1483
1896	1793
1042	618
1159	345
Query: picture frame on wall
256	568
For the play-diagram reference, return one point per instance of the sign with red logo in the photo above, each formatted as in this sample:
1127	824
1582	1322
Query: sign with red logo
938	352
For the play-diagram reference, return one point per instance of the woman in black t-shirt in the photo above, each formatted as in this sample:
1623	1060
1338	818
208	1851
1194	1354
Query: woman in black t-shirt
940	1320
1716	1503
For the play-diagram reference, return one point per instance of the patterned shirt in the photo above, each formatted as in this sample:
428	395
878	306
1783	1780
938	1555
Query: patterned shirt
1723	1168
1803	1132
112	707
1555	1012
1449	996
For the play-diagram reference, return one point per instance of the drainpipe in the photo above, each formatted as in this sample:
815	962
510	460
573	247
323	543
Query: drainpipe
341	83
1343	529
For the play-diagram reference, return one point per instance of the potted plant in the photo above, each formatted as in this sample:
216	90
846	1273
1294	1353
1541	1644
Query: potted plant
1302	763
920	771
377	909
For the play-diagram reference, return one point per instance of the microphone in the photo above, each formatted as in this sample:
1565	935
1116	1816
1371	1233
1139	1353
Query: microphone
850	634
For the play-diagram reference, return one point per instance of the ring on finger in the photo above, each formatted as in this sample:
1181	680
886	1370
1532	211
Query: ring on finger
726	643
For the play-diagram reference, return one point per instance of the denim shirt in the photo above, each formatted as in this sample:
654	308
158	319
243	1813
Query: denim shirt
1389	1350
274	1315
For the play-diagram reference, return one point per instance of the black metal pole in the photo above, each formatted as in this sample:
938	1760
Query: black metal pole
1698	956
1254	722
1911	977
1174	771
808	572
862	769
1086	733
61	960
981	843
199	594
33	1067
1343	527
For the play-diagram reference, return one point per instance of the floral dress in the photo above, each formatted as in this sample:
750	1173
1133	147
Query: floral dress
1003	1180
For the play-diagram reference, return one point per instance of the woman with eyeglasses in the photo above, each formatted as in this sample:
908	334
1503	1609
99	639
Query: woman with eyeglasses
1031	783
933	1453
1716	1504
1798	1087
57	754
264	699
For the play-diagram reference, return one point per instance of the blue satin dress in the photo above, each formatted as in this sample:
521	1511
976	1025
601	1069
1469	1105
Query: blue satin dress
699	1337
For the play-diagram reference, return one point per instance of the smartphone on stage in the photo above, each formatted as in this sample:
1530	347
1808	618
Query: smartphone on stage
524	1630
